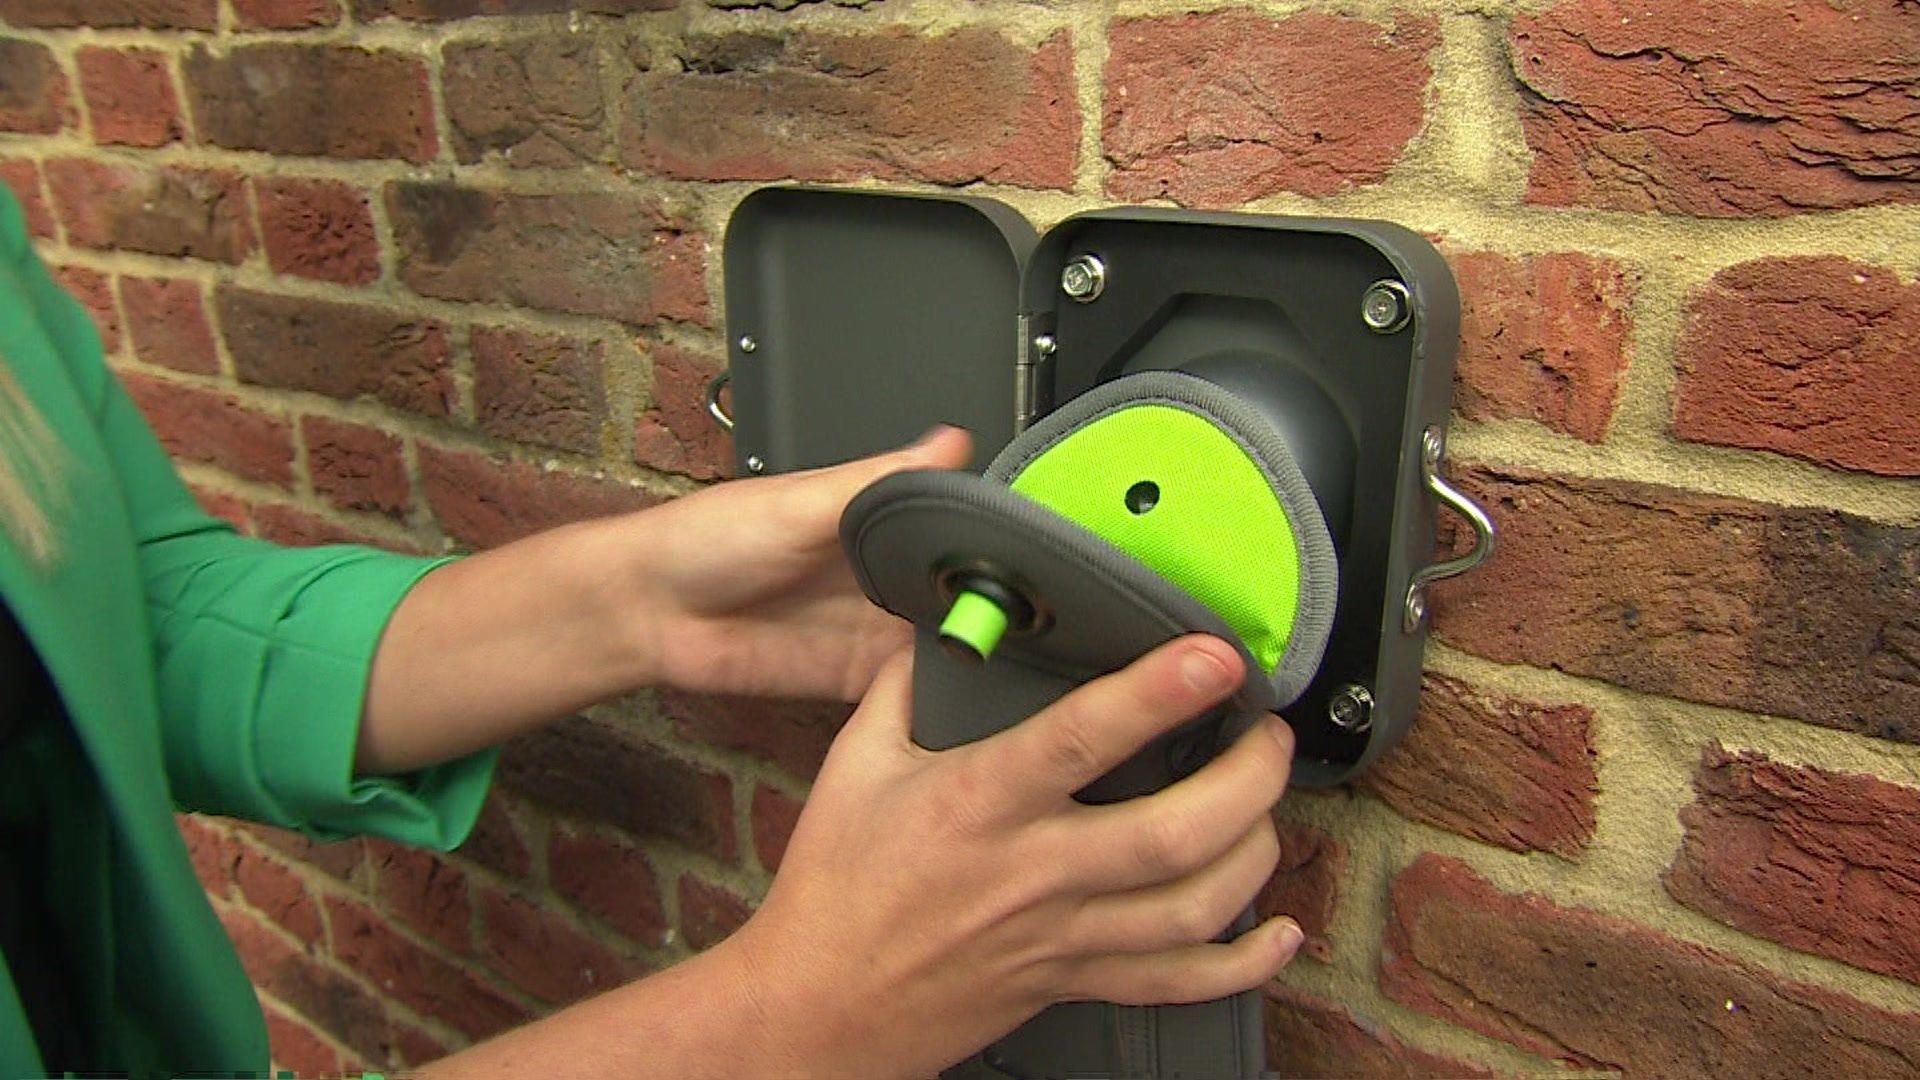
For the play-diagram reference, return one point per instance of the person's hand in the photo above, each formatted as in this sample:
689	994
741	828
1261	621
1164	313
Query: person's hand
931	901
747	591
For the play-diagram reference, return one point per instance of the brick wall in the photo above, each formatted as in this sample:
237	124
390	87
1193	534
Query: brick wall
443	272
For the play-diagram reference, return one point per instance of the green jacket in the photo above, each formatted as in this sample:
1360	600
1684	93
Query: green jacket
198	670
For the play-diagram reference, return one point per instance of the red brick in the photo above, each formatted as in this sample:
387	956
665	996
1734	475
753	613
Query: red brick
297	1047
22	176
113	14
318	229
1811	357
413	1047
590	254
675	434
228	508
1820	861
276	891
544	953
334	1003
794	735
313	100
533	101
498	841
709	913
344	860
1601	992
970	105
162	211
774	817
594	771
213	851
1543	338
1218	109
1504	771
1798	612
285	14
294	527
609	880
197	424
1306	884
1309	1036
94	290
425	10
356	467
167	318
426	892
34	96
486	502
409	973
345	351
1718	109
130	96
539	388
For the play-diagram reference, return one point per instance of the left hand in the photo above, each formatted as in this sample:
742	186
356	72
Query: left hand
748	590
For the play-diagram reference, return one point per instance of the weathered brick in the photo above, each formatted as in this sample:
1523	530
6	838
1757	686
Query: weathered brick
485	502
199	424
335	1003
426	892
1221	108
1820	861
498	840
113	14
167	319
675	434
709	912
1306	884
409	973
22	176
297	1047
1800	612
594	771
312	100
1601	992
345	351
1543	338
318	229
413	1047
228	508
213	851
201	213
1719	108
1309	1036
130	96
34	96
774	817
1508	772
539	388
609	880
344	860
272	888
794	735
434	10
533	101
285	14
969	105
545	954
356	467
1812	357
592	254
94	291
294	527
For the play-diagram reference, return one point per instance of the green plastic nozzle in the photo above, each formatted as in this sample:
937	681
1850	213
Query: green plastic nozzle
974	623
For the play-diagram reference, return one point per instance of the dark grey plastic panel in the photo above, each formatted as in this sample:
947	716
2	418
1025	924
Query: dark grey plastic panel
873	316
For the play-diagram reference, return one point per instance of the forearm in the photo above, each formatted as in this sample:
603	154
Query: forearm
495	644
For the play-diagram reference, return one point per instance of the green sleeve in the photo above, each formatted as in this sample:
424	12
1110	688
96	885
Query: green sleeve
262	653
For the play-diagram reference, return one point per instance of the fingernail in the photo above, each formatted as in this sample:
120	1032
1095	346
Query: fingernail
1204	672
931	434
1280	730
1291	937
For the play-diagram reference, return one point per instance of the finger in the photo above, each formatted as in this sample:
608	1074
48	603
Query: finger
1177	830
1196	908
884	717
1192	972
1072	742
819	495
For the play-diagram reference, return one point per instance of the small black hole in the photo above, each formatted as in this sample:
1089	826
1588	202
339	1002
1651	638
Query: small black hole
1143	496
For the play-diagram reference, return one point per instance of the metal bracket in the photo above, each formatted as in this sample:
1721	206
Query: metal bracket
1433	447
714	408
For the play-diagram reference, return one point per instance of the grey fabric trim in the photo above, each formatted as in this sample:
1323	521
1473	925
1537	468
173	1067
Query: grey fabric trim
1319	567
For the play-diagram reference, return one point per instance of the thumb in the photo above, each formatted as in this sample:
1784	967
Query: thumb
824	493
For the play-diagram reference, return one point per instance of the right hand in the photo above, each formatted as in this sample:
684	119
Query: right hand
929	902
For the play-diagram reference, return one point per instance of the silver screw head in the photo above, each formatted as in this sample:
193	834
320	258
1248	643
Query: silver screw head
747	343
1386	307
1044	346
1084	279
1351	708
755	465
